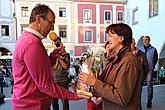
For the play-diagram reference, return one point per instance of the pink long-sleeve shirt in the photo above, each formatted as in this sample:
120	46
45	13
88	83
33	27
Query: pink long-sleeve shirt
33	81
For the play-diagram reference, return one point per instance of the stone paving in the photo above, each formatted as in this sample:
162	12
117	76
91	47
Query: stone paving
158	100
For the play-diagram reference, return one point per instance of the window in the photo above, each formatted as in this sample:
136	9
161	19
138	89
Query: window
5	30
120	16
135	16
105	36
153	8
88	35
62	31
62	12
24	11
87	15
107	15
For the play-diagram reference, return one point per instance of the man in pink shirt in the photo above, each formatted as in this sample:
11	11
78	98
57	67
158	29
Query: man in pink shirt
32	71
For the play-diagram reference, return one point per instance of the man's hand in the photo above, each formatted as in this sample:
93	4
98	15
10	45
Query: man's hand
82	95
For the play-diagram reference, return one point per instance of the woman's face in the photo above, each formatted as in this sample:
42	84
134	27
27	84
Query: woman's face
115	41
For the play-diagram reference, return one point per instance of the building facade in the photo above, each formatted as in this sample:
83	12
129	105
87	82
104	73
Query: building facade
7	32
146	17
91	17
62	27
80	23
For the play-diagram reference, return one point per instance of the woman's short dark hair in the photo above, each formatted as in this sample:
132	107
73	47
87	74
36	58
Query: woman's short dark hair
39	9
121	29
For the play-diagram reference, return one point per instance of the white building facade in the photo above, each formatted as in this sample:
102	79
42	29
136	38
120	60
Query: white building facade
7	28
146	17
62	26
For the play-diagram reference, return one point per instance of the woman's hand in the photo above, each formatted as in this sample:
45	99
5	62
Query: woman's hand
55	54
88	79
58	51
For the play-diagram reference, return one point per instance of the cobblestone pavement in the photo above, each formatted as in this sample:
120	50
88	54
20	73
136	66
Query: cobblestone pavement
158	100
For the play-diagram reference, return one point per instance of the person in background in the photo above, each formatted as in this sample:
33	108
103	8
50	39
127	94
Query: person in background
72	74
162	75
77	66
11	82
1	80
107	48
61	76
32	67
108	54
120	82
2	96
141	57
152	58
162	72
143	62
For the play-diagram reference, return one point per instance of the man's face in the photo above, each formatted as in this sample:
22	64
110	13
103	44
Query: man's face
47	24
146	41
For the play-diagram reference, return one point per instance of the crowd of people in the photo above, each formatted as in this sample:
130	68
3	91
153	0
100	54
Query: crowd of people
41	79
5	72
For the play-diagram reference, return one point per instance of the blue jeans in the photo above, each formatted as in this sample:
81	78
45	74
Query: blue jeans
150	85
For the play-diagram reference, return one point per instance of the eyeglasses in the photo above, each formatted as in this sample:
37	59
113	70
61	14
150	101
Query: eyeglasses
51	22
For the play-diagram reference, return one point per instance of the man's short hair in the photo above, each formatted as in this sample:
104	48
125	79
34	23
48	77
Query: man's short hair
39	9
147	37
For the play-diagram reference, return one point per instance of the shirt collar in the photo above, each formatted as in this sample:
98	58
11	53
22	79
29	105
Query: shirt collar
34	32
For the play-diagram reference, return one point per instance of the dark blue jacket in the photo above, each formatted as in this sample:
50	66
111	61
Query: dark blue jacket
151	54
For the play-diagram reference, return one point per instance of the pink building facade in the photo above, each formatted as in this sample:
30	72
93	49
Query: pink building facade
91	20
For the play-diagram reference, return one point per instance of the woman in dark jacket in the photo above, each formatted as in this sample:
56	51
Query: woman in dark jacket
120	82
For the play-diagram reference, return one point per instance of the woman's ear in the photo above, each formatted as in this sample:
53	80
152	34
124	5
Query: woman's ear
121	39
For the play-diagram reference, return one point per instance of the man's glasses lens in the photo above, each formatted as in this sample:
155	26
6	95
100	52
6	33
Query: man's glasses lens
51	22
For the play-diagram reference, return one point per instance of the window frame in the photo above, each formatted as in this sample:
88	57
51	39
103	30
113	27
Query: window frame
153	8
62	11
134	16
85	35
6	34
64	27
24	11
118	16
87	16
105	15
105	36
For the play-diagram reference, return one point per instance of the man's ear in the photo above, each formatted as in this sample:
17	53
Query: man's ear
38	18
